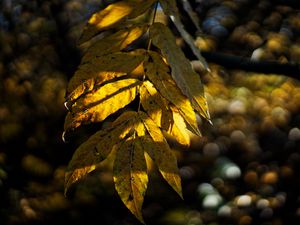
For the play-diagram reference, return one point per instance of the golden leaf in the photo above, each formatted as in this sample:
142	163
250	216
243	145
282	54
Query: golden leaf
113	15
170	8
177	128
99	104
158	148
115	42
185	77
157	71
163	113
138	72
130	175
89	154
153	103
101	69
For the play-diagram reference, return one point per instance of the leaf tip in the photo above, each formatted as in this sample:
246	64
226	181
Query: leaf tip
67	184
65	192
178	190
180	195
140	218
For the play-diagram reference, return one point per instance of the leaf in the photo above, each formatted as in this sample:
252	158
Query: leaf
158	72
177	128
93	151
115	42
154	104
101	69
185	77
99	104
130	175
113	15
170	8
158	148
163	114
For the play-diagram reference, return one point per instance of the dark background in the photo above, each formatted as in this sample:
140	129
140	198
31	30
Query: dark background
245	168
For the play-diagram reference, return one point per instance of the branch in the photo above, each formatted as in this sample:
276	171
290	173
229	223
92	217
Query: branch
238	62
291	3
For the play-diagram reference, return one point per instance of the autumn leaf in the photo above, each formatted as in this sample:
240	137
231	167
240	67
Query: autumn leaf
177	128
109	78
96	149
158	73
130	175
99	104
170	8
154	104
130	169
163	113
113	15
115	42
157	147
102	69
185	77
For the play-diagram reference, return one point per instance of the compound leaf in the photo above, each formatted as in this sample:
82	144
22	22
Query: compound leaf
111	75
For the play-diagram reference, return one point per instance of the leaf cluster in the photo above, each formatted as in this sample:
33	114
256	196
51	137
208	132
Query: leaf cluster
112	74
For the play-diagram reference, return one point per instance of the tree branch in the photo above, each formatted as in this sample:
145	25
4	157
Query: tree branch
238	62
291	3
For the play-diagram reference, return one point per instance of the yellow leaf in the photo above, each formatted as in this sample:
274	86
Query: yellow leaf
163	113
153	103
157	71
124	117
96	149
185	77
115	42
113	15
138	72
99	104
158	148
170	8
130	175
177	128
101	69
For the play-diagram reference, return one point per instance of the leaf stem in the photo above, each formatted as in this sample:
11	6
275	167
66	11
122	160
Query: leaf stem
148	48
153	20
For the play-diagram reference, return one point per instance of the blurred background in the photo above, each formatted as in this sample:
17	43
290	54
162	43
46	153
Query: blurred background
245	168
